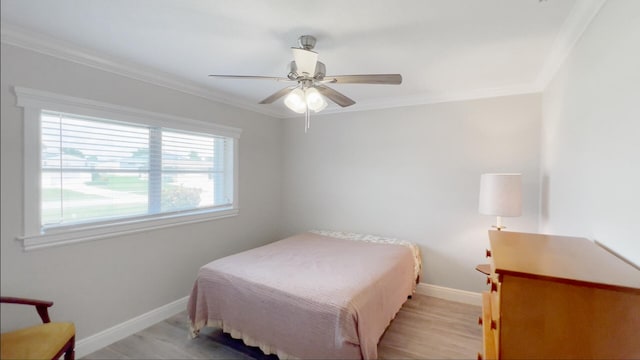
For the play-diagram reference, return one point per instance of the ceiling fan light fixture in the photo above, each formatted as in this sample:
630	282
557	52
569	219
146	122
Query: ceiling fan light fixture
311	93
295	101
314	100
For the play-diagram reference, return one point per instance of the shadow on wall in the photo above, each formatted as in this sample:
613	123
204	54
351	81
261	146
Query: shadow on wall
544	199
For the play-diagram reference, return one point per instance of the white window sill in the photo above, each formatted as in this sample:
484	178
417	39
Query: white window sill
96	232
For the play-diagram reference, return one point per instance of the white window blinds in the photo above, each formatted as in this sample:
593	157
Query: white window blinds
96	170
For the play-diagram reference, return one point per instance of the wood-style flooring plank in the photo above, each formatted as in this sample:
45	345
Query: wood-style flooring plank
425	328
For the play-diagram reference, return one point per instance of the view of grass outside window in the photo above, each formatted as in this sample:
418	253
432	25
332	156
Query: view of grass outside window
97	170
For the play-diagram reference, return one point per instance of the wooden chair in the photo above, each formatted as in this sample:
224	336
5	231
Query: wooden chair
46	341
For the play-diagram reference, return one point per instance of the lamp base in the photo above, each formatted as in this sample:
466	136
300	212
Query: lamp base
498	226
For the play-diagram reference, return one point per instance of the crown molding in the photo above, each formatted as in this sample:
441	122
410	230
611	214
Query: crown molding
431	98
583	12
17	36
445	96
575	24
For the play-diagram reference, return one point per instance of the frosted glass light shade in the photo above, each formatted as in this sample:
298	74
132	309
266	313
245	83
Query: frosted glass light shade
296	101
500	194
315	101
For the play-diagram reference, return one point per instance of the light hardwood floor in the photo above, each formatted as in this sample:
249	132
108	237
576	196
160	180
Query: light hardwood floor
425	328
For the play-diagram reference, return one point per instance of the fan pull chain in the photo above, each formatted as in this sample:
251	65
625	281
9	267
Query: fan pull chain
307	121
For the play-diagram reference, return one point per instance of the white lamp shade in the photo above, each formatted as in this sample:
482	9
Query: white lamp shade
500	194
315	101
295	101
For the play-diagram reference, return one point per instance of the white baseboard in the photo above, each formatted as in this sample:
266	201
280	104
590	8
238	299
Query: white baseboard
463	296
118	332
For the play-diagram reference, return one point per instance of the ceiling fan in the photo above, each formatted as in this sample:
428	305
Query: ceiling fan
311	80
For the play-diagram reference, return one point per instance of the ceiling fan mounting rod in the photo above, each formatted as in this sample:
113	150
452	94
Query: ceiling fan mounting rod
307	42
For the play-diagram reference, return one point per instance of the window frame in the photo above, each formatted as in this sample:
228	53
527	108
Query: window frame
34	236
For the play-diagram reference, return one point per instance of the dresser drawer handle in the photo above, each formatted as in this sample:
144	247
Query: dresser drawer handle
494	325
494	286
479	320
487	253
479	356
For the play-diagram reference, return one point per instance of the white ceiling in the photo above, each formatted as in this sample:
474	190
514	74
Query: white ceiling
445	49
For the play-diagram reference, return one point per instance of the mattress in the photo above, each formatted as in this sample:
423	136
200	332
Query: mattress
312	295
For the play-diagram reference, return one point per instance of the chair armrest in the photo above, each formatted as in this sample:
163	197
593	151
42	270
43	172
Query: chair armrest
41	305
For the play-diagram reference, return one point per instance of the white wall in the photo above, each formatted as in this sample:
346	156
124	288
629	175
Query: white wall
102	283
414	173
411	173
591	135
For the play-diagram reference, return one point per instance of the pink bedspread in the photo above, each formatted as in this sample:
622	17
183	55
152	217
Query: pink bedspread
307	296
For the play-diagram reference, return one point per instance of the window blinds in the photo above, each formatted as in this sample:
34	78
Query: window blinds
98	170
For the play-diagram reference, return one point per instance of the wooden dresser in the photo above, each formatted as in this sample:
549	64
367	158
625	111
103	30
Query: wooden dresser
555	297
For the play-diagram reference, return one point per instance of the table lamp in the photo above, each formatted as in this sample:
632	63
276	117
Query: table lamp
500	195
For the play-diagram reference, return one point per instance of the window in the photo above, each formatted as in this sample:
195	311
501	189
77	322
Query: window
95	169
116	170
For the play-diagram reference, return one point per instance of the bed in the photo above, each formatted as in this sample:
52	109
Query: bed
317	294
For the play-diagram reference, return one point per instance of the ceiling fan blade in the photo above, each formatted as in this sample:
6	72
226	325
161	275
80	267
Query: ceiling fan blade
251	77
335	96
277	95
306	60
383	79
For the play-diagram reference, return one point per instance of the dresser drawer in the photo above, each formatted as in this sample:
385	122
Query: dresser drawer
491	306
494	297
488	334
494	292
493	282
